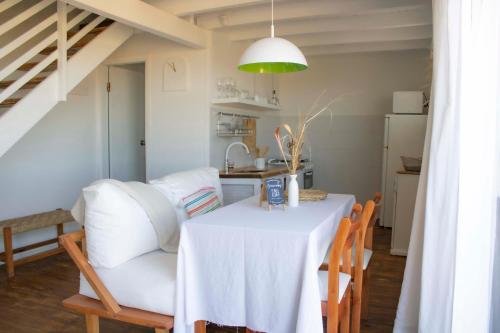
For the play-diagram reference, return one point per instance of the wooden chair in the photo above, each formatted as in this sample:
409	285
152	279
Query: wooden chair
359	261
359	277
336	307
368	252
355	211
106	306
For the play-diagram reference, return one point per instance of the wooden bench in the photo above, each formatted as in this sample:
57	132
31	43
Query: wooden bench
26	223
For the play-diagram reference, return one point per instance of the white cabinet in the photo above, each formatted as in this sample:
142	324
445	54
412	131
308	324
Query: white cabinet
405	194
236	189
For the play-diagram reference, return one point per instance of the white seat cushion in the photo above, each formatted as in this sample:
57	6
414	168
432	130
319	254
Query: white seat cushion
367	255
146	282
344	280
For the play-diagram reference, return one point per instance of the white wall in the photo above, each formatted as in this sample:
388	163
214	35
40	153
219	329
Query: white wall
48	167
66	150
347	151
224	62
176	122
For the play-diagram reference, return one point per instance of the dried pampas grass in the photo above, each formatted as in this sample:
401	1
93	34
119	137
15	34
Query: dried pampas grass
293	140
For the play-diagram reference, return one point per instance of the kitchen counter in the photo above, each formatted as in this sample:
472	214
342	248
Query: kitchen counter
404	172
244	182
252	172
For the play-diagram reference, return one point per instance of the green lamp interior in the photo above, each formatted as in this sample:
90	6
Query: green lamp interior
272	67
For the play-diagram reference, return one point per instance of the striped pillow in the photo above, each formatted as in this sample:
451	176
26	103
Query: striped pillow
202	201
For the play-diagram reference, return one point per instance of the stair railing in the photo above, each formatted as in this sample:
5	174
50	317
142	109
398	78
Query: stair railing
59	18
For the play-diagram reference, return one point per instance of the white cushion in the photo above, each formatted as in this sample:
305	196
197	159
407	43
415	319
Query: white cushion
179	185
116	226
344	280
146	282
367	255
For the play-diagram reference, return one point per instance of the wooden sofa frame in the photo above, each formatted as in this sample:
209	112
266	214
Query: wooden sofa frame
107	306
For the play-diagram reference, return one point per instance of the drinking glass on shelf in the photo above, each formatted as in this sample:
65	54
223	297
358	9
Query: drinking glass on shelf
244	94
220	88
229	87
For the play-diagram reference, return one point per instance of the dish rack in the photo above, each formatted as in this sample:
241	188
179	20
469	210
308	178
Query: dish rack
231	125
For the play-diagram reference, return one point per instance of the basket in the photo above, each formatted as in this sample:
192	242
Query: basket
311	195
411	164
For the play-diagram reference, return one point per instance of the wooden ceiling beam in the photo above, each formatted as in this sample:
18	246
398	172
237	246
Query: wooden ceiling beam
400	19
144	17
349	37
304	10
195	7
417	44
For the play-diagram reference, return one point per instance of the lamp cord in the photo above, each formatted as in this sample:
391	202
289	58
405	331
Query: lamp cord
272	18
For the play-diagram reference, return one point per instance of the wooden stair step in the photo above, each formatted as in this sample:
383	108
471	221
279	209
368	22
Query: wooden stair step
97	30
78	45
27	66
71	51
9	102
31	83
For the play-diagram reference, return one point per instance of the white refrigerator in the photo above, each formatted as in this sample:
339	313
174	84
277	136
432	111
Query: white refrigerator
404	136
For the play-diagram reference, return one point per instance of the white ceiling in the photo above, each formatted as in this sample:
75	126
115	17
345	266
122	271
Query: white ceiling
316	26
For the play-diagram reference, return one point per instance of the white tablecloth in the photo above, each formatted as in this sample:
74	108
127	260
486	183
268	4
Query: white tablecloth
245	266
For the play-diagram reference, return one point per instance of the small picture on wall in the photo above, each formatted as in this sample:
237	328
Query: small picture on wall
175	75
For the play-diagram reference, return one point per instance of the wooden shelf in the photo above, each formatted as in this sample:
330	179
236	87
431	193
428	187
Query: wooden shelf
245	104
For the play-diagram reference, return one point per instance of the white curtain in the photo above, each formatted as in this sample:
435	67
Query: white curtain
448	278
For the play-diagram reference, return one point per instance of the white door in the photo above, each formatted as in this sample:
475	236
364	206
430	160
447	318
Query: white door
126	105
405	135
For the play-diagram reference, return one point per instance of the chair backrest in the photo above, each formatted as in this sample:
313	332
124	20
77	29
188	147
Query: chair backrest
343	242
373	220
355	211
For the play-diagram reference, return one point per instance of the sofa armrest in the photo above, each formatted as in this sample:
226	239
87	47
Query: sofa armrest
68	241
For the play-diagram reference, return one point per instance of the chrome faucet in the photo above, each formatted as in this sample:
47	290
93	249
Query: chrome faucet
226	161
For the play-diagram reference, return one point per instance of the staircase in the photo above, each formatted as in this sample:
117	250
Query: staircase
48	47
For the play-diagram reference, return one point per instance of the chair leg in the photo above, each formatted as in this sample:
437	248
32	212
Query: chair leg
60	231
200	326
346	313
9	252
356	308
364	297
92	322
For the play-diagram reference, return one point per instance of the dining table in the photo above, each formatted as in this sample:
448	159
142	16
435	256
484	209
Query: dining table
244	265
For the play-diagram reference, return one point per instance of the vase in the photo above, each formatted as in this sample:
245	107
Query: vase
293	192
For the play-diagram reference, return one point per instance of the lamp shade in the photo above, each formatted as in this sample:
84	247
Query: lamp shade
272	55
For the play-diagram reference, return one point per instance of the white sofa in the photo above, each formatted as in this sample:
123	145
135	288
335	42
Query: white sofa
123	245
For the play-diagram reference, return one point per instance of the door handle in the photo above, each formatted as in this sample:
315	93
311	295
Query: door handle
142	142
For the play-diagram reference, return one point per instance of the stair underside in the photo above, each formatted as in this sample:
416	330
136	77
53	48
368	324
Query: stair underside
78	45
31	83
53	66
35	104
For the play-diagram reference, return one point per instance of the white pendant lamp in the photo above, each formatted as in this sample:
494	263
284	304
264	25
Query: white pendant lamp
272	55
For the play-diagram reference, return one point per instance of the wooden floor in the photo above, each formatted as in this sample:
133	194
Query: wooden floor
31	302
